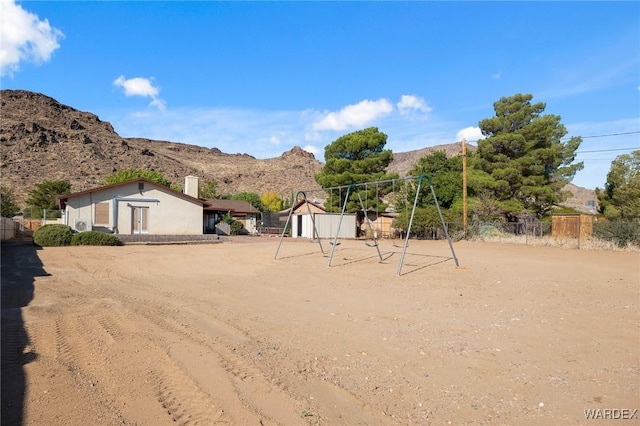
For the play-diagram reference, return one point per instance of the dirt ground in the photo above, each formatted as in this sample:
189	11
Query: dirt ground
226	334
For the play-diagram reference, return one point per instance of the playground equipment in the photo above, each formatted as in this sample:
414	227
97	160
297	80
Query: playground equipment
355	189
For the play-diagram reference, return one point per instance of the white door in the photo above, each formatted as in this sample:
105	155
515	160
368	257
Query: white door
139	220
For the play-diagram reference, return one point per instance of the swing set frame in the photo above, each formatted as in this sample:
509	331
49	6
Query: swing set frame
355	188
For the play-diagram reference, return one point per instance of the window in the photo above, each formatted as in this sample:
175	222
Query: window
102	213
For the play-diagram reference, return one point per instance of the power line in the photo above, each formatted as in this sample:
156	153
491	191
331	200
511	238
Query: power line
611	134
605	150
635	132
595	159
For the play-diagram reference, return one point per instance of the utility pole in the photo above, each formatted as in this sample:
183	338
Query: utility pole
464	187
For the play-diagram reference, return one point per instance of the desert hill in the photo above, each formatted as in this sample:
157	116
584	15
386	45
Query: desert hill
403	162
42	139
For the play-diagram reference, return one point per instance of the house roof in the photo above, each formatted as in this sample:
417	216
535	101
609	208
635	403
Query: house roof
233	206
62	199
300	203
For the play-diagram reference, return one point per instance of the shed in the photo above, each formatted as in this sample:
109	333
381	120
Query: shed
571	225
326	223
382	223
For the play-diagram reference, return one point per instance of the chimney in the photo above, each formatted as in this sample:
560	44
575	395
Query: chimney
191	186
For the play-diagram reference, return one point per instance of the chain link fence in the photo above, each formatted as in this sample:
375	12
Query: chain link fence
589	234
569	234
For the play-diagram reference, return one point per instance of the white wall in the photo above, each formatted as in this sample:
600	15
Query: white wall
326	225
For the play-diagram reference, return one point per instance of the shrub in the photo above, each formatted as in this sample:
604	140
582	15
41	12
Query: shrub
618	232
93	238
53	235
236	226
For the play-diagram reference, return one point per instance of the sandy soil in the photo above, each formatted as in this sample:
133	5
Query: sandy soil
225	333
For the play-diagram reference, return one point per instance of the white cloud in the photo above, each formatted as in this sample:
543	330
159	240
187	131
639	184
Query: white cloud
470	134
353	116
24	37
139	86
497	75
267	134
274	140
410	103
159	103
312	149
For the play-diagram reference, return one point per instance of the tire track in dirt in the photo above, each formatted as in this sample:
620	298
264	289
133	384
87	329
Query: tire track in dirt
74	354
222	383
177	384
208	334
264	393
79	347
183	400
16	350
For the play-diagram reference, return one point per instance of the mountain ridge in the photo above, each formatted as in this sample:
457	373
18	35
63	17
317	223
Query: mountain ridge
42	139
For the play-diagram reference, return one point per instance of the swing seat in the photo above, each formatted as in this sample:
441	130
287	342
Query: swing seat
370	245
337	244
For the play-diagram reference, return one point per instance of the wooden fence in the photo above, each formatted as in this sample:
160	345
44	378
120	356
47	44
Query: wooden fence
571	225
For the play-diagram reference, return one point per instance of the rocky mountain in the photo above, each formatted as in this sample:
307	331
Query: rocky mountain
403	162
42	139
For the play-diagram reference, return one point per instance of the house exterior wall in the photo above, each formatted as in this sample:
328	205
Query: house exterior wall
166	213
249	222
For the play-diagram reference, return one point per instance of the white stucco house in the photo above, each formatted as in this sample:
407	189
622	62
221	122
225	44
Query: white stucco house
138	206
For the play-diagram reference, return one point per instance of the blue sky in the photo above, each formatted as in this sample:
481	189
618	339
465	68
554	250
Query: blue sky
261	77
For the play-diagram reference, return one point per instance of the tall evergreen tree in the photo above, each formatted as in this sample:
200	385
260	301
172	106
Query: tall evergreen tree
621	196
357	157
446	176
43	196
8	204
523	161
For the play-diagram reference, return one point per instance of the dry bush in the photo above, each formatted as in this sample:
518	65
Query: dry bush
589	243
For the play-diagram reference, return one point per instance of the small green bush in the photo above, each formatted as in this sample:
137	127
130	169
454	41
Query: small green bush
53	235
236	226
93	238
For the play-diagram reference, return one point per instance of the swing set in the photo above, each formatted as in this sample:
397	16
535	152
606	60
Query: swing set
355	189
